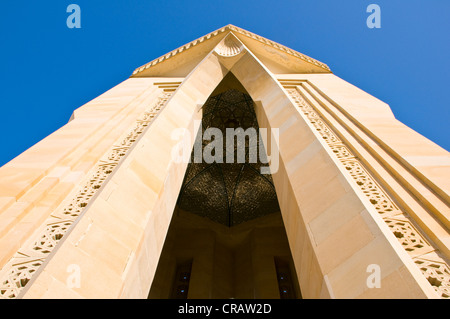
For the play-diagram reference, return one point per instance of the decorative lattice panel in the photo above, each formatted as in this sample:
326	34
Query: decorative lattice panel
228	193
437	274
370	188
25	263
435	269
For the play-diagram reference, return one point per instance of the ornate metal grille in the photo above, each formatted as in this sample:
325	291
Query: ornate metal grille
228	193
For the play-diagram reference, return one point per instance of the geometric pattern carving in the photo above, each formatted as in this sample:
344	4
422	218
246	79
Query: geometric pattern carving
18	276
437	272
408	236
370	188
341	151
51	236
76	206
25	263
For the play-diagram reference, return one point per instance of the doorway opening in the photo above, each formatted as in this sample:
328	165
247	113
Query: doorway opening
226	238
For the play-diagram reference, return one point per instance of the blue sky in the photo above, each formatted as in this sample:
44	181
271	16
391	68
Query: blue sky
48	70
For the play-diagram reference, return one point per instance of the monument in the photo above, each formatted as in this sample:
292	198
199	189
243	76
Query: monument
139	196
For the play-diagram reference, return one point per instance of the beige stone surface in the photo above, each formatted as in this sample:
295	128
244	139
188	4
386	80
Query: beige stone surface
334	231
44	175
314	199
414	150
414	193
277	57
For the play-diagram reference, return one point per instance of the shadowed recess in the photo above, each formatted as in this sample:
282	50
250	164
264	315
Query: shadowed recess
229	193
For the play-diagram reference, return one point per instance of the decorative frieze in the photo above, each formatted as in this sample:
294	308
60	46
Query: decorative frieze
25	263
437	273
434	268
377	197
408	236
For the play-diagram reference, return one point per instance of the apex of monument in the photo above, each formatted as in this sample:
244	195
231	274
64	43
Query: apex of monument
229	25
277	57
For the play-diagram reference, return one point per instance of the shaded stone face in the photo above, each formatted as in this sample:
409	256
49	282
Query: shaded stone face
229	192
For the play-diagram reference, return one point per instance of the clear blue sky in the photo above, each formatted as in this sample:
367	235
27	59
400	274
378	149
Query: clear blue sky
48	70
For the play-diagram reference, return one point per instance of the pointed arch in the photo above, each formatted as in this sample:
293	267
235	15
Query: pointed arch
141	193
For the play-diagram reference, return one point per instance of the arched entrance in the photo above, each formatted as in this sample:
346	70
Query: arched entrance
227	238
